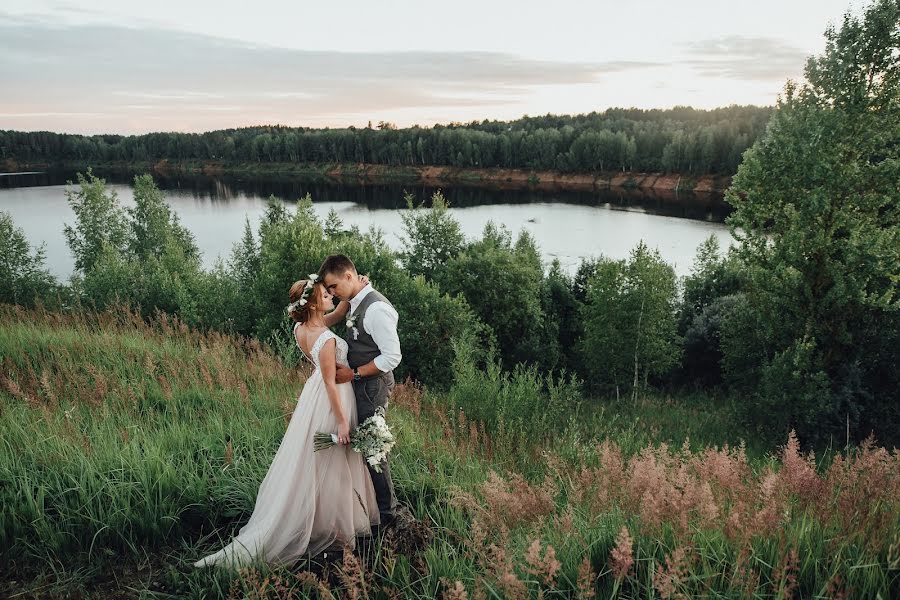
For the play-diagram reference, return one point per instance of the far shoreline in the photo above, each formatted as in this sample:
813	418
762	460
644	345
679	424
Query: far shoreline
374	174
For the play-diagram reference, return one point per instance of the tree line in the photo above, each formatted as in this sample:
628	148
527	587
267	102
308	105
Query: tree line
678	140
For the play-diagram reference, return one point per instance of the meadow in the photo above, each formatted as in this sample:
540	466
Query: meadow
131	448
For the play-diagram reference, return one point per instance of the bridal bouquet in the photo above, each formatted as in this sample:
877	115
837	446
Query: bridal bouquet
373	439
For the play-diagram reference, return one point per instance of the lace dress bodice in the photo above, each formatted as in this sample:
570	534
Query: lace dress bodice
340	351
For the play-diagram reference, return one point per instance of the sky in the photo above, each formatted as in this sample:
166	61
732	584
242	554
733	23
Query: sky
119	66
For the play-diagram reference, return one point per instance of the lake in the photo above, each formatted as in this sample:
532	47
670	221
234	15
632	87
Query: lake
567	226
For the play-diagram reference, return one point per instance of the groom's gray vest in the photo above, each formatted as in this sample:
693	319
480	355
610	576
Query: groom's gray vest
363	349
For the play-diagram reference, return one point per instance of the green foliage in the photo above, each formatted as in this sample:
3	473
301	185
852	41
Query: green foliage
237	286
142	256
520	400
504	285
109	281
293	245
702	360
333	224
794	389
430	323
816	212
234	308
99	222
290	247
153	225
629	321
712	276
562	313
432	237
743	344
706	300
23	277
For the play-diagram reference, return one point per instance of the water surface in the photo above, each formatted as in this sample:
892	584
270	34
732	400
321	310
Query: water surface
567	226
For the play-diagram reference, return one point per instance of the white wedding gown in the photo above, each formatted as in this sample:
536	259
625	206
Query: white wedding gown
309	501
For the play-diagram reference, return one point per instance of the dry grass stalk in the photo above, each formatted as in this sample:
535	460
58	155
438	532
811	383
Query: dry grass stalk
586	580
542	563
408	395
352	576
309	581
514	501
165	386
669	579
621	558
13	388
47	388
229	453
456	591
785	582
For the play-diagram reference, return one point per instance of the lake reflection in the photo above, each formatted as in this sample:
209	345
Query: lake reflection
566	225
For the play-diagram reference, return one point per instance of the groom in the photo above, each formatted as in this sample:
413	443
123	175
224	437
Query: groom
374	353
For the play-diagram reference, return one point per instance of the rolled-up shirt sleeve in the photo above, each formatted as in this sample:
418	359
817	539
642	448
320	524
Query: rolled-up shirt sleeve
381	323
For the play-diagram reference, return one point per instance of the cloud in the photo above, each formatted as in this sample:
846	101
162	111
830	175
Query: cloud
51	67
745	58
26	115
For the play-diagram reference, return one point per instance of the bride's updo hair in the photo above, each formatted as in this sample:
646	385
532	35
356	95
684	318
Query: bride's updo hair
301	314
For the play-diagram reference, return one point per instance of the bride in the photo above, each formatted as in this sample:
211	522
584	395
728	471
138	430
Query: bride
310	502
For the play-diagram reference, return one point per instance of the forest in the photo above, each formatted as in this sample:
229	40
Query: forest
678	140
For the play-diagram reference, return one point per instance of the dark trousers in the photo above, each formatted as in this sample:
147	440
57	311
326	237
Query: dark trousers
370	394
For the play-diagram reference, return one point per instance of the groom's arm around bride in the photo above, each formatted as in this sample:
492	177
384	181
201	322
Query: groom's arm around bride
374	353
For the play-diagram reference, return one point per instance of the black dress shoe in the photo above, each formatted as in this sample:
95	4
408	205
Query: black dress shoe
388	521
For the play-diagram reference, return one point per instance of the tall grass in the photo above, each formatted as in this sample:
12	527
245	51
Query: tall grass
143	444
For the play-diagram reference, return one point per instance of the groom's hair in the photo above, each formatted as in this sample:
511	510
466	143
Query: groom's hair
337	264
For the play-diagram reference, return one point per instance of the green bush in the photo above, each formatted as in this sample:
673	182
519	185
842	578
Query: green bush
504	285
562	313
430	322
23	277
99	222
522	401
707	297
702	345
142	256
629	321
432	237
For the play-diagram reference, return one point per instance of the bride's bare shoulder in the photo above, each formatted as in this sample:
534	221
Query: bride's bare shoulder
307	337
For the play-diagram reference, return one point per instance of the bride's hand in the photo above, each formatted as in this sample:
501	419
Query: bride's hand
342	374
344	433
364	279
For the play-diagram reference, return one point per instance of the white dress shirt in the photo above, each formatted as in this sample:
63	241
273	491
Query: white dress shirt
381	323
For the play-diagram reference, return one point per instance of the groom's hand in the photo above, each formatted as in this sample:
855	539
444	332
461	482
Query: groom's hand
342	374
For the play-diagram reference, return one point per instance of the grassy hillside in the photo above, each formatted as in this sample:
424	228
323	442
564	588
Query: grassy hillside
131	449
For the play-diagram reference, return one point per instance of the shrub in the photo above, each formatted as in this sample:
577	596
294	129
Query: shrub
629	320
23	277
430	322
504	284
432	237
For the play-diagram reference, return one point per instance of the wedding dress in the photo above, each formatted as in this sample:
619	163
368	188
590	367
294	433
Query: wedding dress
309	501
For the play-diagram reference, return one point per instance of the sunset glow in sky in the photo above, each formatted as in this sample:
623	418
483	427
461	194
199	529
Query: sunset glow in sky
103	66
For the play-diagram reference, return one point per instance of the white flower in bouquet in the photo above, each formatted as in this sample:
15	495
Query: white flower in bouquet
373	439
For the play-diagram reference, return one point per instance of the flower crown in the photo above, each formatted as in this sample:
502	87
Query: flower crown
298	304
